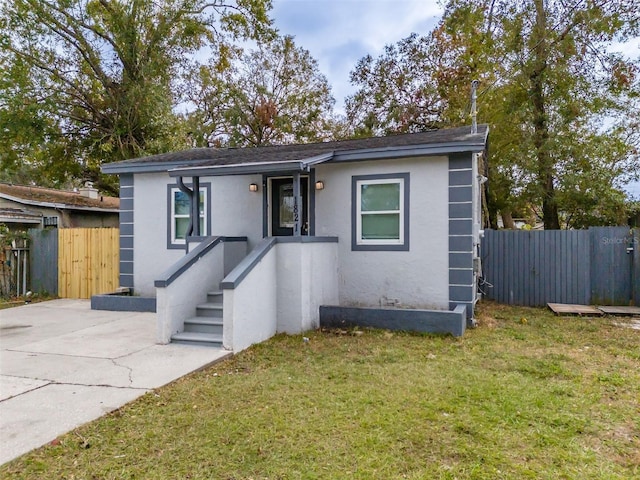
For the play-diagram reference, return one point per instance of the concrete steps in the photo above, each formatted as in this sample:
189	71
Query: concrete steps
205	329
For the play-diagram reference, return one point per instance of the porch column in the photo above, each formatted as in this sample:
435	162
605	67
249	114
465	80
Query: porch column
195	206
297	206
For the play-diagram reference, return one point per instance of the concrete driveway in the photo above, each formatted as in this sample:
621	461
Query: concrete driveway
63	364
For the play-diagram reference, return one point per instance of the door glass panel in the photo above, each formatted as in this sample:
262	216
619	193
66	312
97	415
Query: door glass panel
286	206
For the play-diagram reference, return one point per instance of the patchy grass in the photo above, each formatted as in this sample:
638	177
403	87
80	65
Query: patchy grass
17	301
525	395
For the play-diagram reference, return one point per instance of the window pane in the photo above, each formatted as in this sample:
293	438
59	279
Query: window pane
181	203
181	225
286	206
381	227
380	196
202	232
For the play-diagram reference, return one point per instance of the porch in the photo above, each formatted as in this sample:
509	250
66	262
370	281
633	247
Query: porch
219	295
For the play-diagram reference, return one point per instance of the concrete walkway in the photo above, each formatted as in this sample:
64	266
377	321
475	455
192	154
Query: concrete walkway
63	365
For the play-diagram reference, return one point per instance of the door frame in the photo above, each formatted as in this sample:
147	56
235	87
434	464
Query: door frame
266	201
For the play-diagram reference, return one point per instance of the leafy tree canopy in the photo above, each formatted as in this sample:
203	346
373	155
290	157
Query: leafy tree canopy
92	81
562	107
272	95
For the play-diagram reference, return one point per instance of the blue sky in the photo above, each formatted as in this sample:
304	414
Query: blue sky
338	33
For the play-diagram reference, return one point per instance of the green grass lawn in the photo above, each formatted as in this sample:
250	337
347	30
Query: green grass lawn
525	395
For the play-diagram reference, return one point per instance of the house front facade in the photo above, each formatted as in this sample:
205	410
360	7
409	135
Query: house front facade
26	206
378	223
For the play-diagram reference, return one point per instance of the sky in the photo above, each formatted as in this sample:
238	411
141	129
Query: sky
338	33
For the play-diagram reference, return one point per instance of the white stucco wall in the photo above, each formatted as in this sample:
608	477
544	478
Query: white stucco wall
306	278
235	211
416	278
250	310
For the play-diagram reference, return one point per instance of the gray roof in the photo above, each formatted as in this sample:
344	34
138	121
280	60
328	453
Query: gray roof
206	161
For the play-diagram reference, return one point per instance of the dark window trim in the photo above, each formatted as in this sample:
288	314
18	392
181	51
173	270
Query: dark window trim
403	247
203	186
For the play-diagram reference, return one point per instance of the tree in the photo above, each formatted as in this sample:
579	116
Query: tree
397	90
96	80
272	95
557	100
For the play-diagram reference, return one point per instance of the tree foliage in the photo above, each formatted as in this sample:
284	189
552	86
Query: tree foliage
92	81
560	104
272	95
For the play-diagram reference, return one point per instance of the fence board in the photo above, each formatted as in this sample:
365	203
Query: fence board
88	261
535	267
43	260
562	266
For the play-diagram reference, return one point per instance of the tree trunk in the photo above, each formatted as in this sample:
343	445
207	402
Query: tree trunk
507	220
541	129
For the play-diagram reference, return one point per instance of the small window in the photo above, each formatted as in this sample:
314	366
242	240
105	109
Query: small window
179	207
50	221
380	212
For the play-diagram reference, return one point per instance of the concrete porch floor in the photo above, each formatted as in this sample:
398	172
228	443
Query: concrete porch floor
63	365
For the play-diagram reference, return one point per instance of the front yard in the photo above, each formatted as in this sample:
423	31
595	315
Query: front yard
526	395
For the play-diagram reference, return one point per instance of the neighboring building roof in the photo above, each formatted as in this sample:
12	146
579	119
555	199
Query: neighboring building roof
212	161
19	215
62	199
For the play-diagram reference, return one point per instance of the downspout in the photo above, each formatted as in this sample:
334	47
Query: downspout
189	192
195	206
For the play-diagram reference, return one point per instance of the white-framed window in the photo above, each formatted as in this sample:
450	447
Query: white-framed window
380	212
179	215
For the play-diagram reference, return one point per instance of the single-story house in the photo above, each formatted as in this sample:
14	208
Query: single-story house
23	207
239	244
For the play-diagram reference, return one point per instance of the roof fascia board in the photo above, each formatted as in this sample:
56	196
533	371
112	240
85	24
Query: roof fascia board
409	151
64	206
145	167
251	168
19	219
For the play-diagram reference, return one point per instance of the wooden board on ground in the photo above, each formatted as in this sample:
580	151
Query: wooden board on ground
571	309
620	310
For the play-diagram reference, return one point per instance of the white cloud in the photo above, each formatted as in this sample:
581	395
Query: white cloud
338	33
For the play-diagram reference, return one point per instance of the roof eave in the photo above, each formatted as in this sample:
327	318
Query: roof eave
252	168
63	206
408	151
144	167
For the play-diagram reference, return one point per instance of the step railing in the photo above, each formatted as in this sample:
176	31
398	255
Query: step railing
186	283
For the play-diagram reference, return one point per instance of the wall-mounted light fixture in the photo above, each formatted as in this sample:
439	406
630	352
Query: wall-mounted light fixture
319	185
253	187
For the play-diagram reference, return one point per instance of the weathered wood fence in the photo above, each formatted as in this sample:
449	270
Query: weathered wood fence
596	266
75	262
88	260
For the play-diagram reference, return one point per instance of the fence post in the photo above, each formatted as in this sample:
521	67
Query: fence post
635	245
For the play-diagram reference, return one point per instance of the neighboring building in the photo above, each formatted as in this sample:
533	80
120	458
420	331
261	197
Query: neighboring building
378	222
23	207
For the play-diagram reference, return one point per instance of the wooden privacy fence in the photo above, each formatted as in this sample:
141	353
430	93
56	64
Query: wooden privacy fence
88	261
596	266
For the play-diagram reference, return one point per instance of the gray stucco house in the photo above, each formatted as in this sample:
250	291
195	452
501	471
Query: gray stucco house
238	244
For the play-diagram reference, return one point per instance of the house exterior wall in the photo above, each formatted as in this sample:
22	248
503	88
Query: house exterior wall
306	278
416	278
67	218
464	228
235	211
